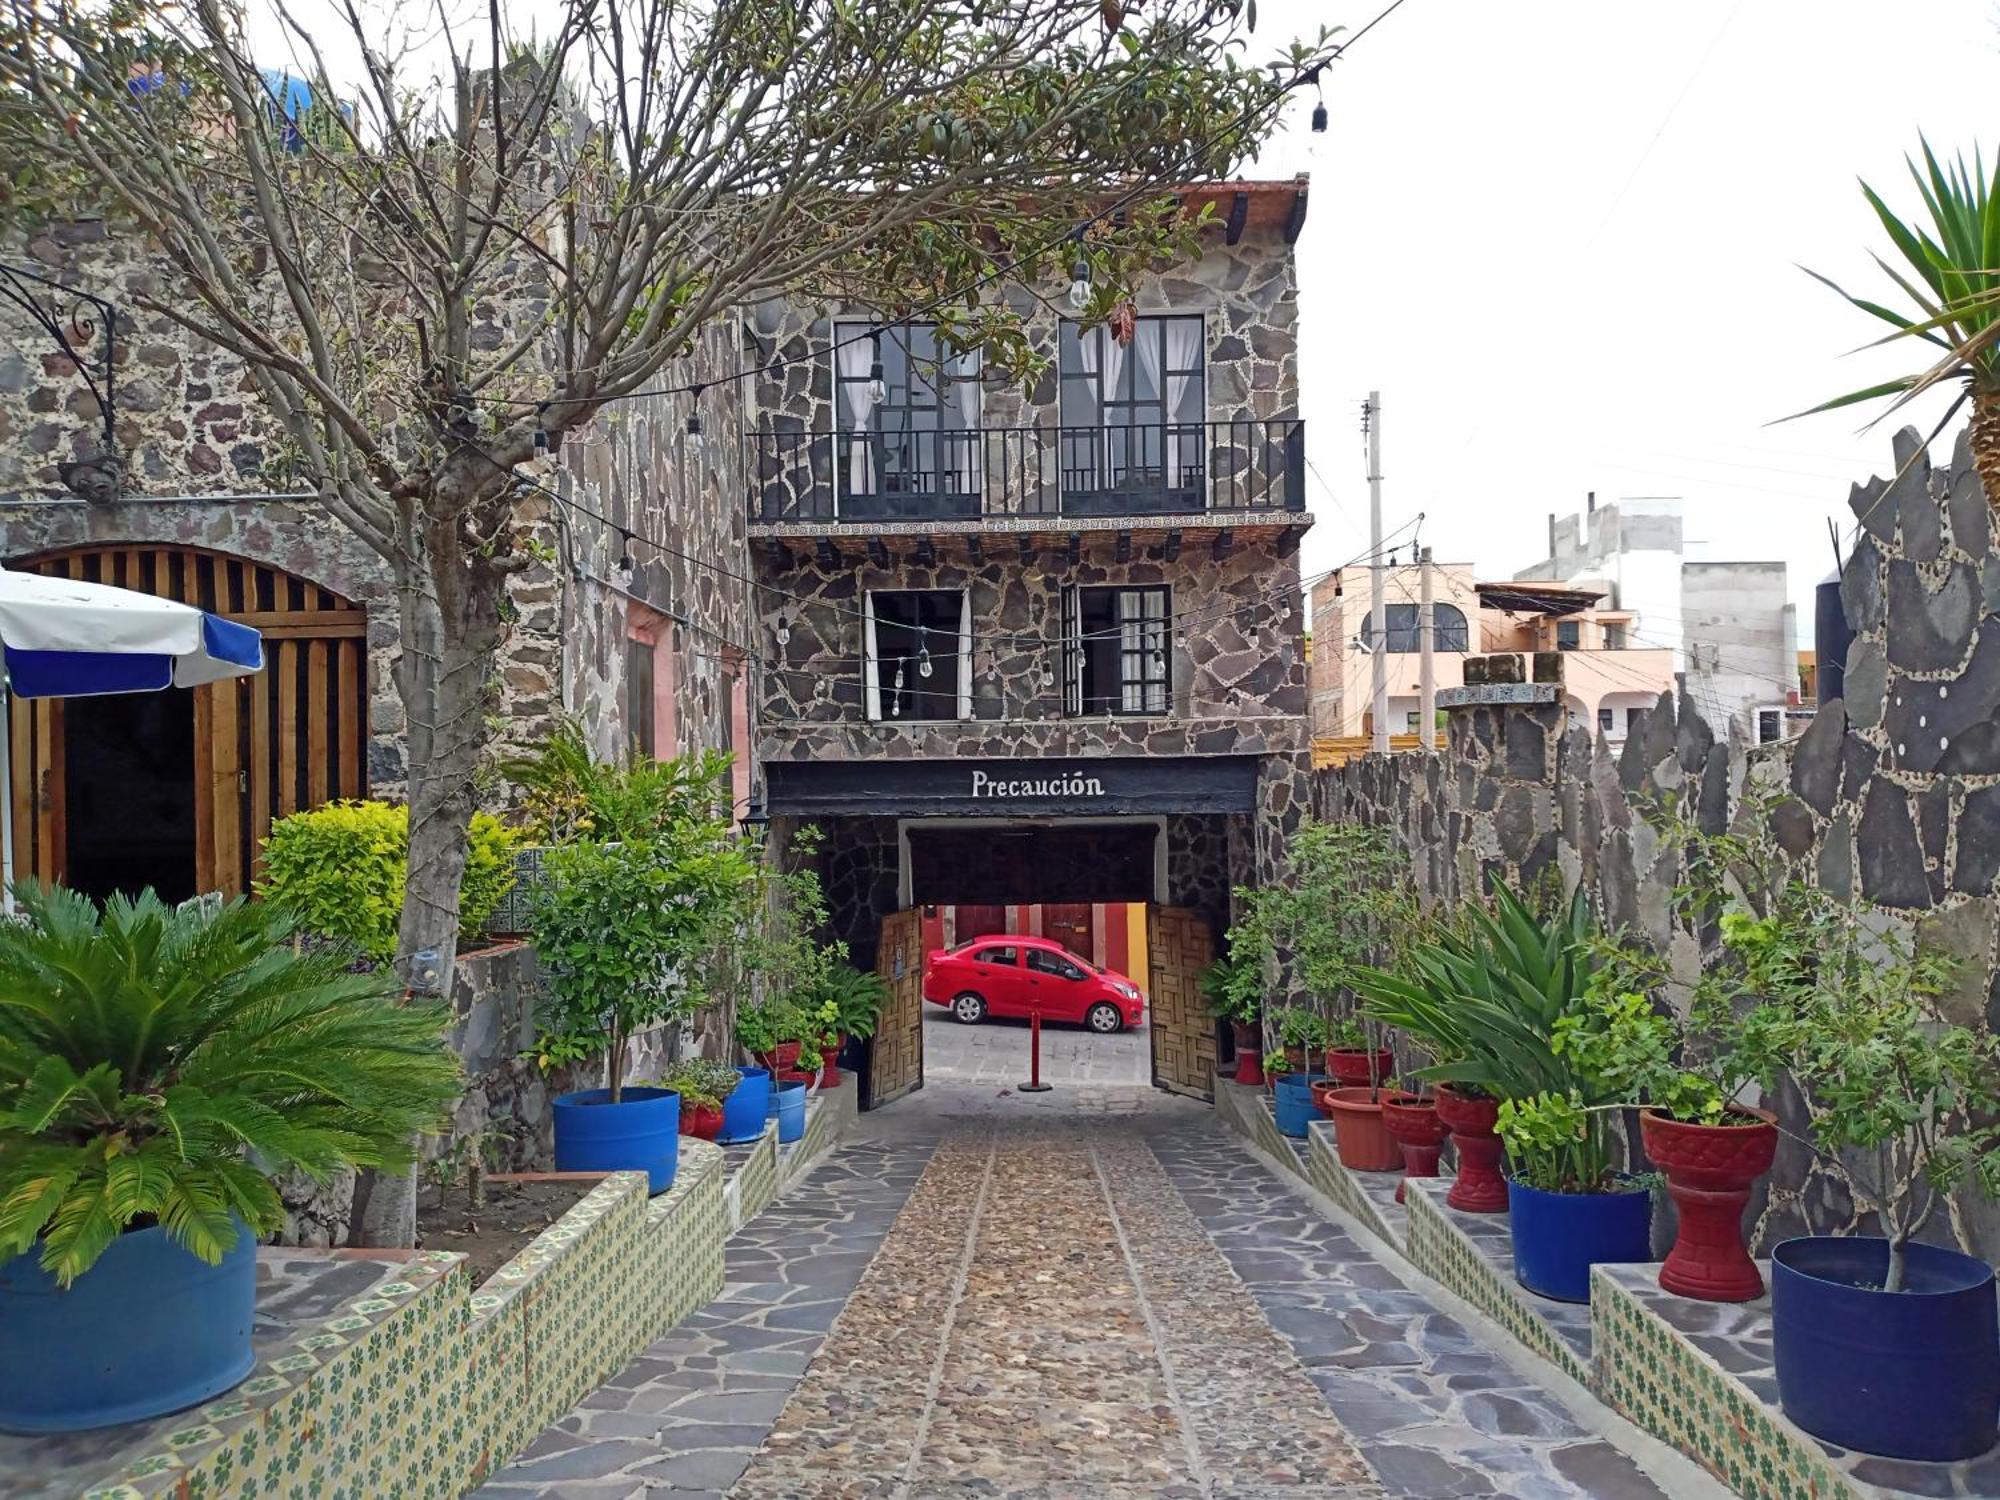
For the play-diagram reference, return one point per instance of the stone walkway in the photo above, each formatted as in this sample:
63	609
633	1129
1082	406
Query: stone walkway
994	1296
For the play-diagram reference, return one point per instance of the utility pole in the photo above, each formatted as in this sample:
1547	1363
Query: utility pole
1378	578
1426	675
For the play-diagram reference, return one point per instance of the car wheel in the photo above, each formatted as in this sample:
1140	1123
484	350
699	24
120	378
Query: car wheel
969	1008
1103	1018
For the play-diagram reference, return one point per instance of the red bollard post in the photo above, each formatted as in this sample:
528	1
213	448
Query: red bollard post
1034	1085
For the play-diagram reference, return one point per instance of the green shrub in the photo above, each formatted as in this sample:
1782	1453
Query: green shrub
339	869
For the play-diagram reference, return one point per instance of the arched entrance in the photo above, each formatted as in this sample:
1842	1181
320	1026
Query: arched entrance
178	789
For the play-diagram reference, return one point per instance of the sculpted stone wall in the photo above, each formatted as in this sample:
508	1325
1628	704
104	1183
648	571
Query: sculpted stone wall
1891	797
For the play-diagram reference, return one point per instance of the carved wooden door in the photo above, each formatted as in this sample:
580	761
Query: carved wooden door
1180	947
896	1052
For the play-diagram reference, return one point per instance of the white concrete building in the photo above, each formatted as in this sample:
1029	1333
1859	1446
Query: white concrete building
1731	625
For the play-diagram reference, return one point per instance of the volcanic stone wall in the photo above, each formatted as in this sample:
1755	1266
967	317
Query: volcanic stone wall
1891	797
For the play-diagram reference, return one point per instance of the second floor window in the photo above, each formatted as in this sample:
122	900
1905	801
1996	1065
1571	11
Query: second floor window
1116	654
906	412
1134	416
917	654
1569	635
1402	624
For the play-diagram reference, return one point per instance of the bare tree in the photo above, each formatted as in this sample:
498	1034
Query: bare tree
432	285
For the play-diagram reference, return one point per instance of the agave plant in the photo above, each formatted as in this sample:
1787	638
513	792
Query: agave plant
1950	274
159	1063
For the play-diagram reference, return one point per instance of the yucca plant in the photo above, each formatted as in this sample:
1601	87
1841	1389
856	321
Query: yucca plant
1949	270
159	1063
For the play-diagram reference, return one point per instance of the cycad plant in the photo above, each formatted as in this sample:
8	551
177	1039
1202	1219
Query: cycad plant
159	1063
1947	264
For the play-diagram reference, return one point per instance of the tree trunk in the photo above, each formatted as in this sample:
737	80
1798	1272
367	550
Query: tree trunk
1986	441
451	634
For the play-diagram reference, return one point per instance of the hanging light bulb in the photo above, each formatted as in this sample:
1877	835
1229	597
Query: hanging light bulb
783	630
1319	110
878	387
923	661
694	413
896	694
625	562
1048	677
542	430
1079	283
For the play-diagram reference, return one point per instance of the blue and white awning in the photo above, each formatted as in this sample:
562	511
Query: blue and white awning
65	638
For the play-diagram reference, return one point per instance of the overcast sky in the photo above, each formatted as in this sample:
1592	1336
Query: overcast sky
1562	239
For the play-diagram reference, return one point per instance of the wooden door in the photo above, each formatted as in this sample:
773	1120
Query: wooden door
977	921
1068	923
1179	948
896	1051
290	737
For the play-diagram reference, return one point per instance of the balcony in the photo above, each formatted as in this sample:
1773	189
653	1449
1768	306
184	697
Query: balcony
1245	468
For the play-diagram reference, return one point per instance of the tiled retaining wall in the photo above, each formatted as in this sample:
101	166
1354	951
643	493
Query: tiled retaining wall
1892	796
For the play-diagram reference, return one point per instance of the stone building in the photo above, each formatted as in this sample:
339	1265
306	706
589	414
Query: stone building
1041	646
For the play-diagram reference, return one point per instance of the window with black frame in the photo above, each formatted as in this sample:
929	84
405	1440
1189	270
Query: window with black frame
1134	417
1402	626
907	440
917	654
1118	657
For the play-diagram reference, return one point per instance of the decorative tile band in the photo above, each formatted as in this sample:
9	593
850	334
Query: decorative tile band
1369	1196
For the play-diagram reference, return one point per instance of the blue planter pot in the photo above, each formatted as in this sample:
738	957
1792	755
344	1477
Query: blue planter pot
747	1108
791	1111
1909	1374
1292	1101
149	1329
1558	1237
640	1133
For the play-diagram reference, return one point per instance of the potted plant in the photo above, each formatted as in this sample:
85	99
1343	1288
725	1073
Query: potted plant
623	929
158	1066
1352	1059
1411	1118
1905	1106
1569	1208
850	1003
806	1027
1234	985
702	1084
764	1031
1300	1032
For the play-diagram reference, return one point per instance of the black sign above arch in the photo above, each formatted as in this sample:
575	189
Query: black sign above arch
1020	787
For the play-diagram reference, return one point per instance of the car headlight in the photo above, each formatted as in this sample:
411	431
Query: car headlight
1129	991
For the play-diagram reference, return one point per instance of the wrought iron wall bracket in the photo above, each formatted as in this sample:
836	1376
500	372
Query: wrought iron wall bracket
72	318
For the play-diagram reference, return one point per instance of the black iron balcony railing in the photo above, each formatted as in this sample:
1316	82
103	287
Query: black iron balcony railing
942	474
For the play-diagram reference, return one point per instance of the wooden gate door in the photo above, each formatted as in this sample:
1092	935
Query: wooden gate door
1068	923
289	737
896	1052
1180	947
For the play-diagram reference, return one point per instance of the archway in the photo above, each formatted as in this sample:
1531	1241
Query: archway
95	799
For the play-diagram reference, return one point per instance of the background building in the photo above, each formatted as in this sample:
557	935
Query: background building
1731	626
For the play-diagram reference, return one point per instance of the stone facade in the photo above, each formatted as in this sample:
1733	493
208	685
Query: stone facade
1889	797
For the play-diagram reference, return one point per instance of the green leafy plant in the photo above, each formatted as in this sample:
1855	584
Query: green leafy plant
341	868
759	1028
1950	274
1299	1026
702	1082
857	997
159	1063
625	928
819	1025
568	795
1234	983
1347	1035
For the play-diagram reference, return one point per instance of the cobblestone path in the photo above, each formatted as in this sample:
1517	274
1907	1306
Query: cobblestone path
985	1299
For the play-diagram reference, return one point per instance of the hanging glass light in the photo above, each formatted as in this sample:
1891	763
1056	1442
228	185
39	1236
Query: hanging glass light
1079	283
878	386
784	630
625	562
694	412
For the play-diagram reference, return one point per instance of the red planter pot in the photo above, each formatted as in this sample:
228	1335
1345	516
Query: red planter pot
782	1058
1479	1188
1349	1065
1419	1134
1249	1051
830	1076
1710	1170
704	1123
1364	1141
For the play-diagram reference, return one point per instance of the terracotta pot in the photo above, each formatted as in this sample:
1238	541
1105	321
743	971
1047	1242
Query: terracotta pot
704	1122
782	1058
1479	1188
1350	1065
1358	1130
1710	1169
1249	1037
1419	1134
829	1057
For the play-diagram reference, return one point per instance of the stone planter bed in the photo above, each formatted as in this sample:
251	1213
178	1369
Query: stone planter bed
386	1372
1698	1375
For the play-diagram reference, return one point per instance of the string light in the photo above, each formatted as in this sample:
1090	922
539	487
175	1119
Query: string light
694	413
625	562
923	661
542	430
1079	279
1319	110
783	630
878	388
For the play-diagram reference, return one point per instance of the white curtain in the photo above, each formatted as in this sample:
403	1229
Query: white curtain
856	355
965	653
1132	648
1146	347
964	388
1113	354
1183	352
871	696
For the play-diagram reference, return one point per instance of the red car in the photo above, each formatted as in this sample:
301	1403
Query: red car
1011	975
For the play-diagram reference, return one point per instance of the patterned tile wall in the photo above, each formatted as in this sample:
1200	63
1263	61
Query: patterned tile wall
1369	1196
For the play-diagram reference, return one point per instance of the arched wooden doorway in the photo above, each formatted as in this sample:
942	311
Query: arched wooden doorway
289	737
